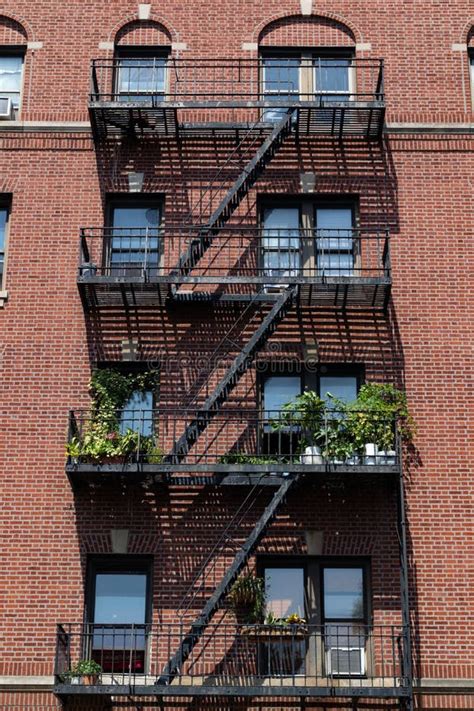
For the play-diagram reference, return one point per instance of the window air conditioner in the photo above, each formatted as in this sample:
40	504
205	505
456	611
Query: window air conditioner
345	661
6	108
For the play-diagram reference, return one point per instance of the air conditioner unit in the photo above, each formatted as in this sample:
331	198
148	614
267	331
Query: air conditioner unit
6	109
345	661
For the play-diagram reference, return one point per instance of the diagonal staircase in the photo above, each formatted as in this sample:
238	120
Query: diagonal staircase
240	188
197	628
239	366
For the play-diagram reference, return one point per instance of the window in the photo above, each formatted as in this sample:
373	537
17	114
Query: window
140	75
344	620
3	243
284	595
119	597
317	237
281	243
11	67
134	238
471	71
137	414
333	598
341	383
335	244
306	76
277	391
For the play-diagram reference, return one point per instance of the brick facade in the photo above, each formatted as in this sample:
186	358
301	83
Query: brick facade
417	181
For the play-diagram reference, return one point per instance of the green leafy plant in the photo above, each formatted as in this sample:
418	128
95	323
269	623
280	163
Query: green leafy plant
373	416
237	458
343	429
247	598
101	438
293	619
85	667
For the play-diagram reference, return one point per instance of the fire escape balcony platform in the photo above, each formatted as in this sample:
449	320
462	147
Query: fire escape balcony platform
331	268
232	660
179	97
230	447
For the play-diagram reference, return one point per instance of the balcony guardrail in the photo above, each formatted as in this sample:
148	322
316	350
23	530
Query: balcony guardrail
230	440
186	82
243	255
304	659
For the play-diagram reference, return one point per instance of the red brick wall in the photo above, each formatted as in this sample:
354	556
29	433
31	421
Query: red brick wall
420	185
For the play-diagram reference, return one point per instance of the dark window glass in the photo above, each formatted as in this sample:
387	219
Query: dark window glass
3	230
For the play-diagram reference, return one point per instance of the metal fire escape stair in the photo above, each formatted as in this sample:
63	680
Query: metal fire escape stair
238	367
240	364
197	628
240	188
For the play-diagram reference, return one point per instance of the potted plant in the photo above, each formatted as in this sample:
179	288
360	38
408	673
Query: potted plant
379	412
247	599
101	440
304	415
87	671
292	627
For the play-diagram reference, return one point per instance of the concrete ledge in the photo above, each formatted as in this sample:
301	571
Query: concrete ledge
26	683
443	686
437	128
45	127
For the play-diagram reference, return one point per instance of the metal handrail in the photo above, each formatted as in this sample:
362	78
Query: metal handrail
236	251
339	654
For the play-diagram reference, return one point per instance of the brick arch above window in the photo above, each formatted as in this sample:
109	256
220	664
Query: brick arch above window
12	32
143	33
330	27
312	31
470	38
133	21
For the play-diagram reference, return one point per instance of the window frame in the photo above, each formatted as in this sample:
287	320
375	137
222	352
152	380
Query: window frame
16	50
97	564
132	200
140	52
262	208
307	206
344	202
314	565
307	84
5	205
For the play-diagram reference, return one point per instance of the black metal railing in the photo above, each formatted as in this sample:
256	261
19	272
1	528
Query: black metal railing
266	82
235	657
269	257
230	439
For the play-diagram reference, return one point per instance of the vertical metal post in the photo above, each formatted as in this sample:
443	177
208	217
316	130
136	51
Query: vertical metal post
404	583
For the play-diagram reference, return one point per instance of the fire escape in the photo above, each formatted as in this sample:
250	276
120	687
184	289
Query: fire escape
265	302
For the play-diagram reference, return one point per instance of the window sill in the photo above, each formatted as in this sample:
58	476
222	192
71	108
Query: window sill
3	298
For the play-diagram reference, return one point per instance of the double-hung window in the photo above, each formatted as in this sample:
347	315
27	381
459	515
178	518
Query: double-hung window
119	610
140	76
332	78
280	83
333	599
336	243
281	243
344	615
306	76
11	69
133	244
3	242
